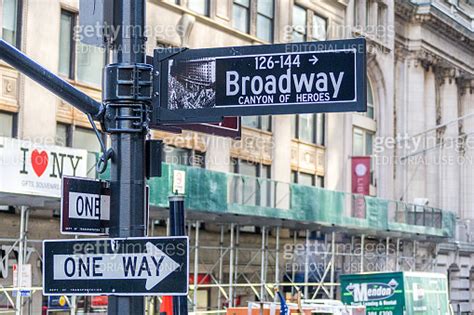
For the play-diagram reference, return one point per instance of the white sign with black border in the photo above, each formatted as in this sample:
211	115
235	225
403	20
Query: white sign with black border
85	206
116	266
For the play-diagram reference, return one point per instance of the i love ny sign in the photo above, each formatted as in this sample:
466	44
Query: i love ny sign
34	169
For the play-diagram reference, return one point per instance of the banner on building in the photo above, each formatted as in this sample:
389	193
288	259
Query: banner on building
360	184
34	169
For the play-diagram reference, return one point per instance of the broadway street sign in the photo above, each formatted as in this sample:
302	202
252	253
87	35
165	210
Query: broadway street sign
133	266
85	206
202	85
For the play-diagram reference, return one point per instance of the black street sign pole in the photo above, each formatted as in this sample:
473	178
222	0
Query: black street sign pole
126	93
178	228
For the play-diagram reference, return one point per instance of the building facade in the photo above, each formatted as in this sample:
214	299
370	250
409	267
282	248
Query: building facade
276	207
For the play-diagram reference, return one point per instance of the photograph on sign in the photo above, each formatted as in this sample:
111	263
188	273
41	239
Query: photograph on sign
199	85
85	206
132	266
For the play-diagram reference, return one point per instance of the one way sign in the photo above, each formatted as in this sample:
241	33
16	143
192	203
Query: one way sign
133	266
85	206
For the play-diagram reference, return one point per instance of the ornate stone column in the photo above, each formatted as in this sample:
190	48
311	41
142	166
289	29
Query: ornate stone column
432	152
415	124
449	162
466	87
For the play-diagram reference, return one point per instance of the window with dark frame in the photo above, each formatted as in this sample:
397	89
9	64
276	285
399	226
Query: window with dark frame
309	128
78	61
253	169
199	6
241	15
254	17
299	24
66	44
250	190
86	139
308	25
11	21
265	20
8	124
370	101
307	179
183	156
258	122
63	135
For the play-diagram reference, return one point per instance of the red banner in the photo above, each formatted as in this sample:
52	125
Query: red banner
360	183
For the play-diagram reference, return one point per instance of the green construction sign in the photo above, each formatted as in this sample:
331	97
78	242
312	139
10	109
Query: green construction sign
394	293
382	294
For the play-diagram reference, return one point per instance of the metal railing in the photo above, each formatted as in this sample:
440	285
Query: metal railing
261	196
259	192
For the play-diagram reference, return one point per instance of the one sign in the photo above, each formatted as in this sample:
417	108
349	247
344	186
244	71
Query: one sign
360	183
85	206
179	182
133	266
200	85
33	169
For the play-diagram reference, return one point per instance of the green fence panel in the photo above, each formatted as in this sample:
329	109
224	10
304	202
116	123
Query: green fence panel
206	190
376	213
209	191
318	205
160	188
448	223
426	293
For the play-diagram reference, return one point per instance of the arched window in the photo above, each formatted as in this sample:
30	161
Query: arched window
364	132
370	101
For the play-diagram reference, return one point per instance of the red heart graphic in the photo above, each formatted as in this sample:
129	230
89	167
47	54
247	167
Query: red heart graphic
39	161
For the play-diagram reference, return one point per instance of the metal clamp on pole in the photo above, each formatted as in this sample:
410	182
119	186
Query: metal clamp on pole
127	93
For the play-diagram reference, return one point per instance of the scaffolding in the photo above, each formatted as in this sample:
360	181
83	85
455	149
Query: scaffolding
237	269
237	264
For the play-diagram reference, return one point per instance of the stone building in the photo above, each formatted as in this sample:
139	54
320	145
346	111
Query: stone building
274	208
434	65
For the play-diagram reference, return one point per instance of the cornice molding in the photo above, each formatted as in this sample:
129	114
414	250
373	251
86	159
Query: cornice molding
432	18
428	58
